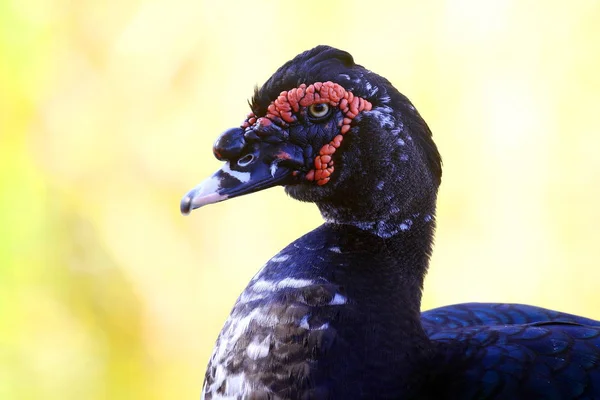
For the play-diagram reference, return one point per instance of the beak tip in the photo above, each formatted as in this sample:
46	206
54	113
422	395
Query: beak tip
186	205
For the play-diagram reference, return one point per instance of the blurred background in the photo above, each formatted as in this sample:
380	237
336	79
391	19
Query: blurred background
108	112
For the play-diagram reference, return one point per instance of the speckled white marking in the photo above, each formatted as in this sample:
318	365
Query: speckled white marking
364	225
247	296
383	116
427	218
383	229
380	185
322	327
406	225
386	230
258	349
385	99
371	89
234	385
281	258
335	249
403	157
263	285
234	328
337	300
312	248
294	283
243	177
218	379
260	319
346	76
304	322
221	397
258	315
273	168
400	142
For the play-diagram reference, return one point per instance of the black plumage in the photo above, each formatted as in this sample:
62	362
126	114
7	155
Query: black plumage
336	314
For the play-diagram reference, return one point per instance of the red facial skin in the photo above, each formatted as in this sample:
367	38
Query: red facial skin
289	102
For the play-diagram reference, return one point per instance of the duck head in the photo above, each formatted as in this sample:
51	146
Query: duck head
333	133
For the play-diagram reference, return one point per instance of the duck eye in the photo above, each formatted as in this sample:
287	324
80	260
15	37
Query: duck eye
318	110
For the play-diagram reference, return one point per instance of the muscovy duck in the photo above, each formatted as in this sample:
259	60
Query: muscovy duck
336	314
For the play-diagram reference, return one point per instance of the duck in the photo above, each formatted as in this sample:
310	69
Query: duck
337	313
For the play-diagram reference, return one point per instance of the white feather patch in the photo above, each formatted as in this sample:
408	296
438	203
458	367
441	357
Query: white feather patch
243	177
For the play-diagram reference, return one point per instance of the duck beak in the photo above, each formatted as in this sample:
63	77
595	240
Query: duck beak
227	183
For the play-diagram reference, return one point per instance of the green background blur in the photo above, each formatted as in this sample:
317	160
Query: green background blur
108	111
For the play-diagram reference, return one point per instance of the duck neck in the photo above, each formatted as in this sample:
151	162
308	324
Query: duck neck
386	219
383	279
389	256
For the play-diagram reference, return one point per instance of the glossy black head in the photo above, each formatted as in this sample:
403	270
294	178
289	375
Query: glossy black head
333	133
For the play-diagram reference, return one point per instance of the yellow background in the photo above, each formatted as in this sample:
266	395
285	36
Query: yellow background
108	111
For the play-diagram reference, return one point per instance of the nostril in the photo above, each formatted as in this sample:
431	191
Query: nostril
247	159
